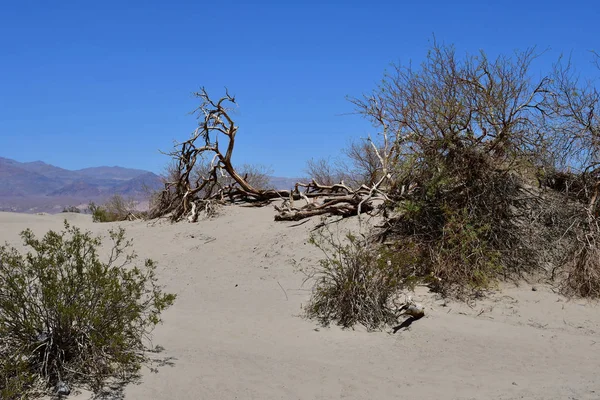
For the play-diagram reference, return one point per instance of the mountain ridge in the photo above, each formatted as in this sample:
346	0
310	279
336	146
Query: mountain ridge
37	186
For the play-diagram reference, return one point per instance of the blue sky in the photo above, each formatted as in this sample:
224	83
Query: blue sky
109	82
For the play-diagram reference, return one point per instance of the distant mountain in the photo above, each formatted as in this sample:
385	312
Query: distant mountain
47	170
280	183
118	173
38	186
17	181
77	188
147	182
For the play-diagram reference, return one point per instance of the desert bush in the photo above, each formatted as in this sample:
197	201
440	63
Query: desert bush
99	214
71	209
363	166
468	137
462	259
324	171
256	175
358	281
116	208
580	272
359	166
465	221
16	381
470	133
67	316
210	186
157	197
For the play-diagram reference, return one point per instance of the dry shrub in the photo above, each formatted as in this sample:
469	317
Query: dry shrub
359	166
581	269
477	224
324	171
15	380
462	259
470	134
257	175
116	208
461	216
469	137
364	165
209	187
71	209
357	281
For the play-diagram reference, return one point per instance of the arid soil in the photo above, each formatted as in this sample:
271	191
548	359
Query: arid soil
236	330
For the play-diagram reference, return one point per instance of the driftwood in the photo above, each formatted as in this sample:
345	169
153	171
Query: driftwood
193	186
318	199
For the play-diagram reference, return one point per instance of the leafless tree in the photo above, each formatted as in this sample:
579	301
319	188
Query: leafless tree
451	103
199	166
203	172
364	166
324	171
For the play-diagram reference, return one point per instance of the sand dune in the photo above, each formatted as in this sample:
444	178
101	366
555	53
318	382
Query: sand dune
235	330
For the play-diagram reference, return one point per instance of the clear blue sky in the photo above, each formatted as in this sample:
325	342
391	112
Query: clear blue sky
87	83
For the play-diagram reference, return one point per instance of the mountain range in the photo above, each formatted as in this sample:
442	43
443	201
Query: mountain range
40	187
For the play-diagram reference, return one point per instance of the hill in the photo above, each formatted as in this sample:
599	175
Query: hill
38	186
41	187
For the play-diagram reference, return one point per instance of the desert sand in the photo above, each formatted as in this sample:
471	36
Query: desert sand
236	330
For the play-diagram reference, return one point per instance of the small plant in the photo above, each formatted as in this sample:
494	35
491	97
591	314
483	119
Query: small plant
99	214
115	209
357	282
66	316
71	209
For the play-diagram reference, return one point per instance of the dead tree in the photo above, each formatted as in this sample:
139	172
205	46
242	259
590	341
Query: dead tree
190	189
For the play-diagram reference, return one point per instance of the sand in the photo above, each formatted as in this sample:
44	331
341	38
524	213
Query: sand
235	331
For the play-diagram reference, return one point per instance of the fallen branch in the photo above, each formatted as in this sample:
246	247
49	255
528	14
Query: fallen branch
191	189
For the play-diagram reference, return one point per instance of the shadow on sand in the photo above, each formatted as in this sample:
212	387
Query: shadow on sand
406	324
116	390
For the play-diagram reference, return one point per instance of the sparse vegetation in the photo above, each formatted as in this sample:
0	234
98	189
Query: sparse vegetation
360	166
116	208
358	281
324	171
469	138
480	171
71	209
66	316
202	171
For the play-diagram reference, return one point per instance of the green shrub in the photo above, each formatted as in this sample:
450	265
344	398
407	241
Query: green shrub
99	214
116	208
358	281
71	209
461	259
66	316
15	380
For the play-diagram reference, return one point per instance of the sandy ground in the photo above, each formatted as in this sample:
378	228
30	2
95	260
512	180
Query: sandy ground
235	330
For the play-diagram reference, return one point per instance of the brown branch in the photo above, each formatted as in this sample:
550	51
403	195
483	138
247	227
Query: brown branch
191	185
